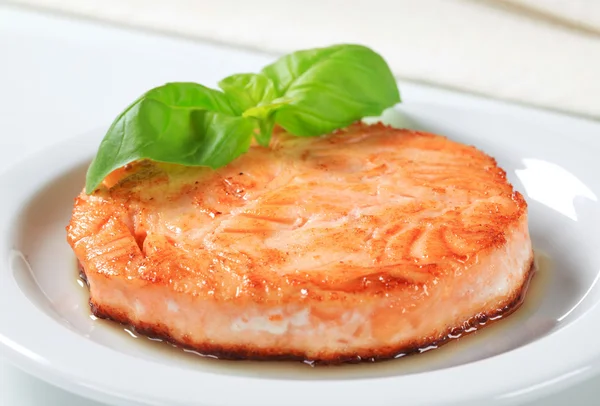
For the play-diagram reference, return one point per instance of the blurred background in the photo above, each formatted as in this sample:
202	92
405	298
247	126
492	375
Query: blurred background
539	52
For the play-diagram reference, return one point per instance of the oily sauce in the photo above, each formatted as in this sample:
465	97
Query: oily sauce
469	344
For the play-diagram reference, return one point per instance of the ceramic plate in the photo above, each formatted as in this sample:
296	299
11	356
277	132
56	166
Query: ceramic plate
551	342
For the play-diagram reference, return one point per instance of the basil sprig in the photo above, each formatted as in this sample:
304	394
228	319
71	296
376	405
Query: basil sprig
307	93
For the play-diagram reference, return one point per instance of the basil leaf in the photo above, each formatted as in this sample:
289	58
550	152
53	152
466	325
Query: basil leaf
191	95
265	128
248	90
253	95
264	114
263	111
182	123
330	88
308	93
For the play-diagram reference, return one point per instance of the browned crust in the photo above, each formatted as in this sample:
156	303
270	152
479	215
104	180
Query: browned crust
105	223
271	354
167	266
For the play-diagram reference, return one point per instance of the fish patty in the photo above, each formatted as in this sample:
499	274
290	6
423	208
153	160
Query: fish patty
359	245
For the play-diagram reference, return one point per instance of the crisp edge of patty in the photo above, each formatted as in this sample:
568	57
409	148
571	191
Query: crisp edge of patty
476	322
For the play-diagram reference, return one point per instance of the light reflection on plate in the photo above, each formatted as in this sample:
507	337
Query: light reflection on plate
553	186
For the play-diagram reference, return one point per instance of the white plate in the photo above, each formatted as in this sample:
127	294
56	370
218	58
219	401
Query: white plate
551	342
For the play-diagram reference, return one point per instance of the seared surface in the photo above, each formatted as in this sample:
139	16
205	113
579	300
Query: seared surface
362	244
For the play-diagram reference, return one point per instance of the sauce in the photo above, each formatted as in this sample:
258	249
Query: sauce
475	343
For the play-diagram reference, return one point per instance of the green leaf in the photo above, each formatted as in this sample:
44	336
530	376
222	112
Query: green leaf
191	95
331	88
264	114
262	111
265	131
182	123
248	90
308	93
253	95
